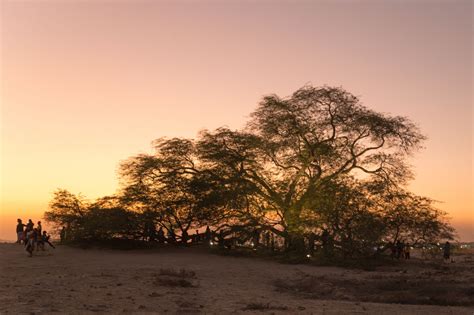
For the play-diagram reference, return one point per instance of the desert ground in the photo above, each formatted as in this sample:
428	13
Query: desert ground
70	280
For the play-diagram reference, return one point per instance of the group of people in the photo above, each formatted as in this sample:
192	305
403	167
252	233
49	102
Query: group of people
400	250
32	237
172	238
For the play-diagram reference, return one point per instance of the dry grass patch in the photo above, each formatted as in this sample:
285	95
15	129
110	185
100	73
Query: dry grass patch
263	307
176	278
401	288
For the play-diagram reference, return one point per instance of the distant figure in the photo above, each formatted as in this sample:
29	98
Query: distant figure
37	239
197	237
407	251
45	239
266	239
311	240
30	224
326	242
184	238
62	234
221	239
171	237
256	237
40	228
19	231
208	234
446	251
399	249
161	236
30	245
393	250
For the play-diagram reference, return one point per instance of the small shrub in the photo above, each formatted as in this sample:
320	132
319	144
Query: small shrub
182	273
170	282
263	307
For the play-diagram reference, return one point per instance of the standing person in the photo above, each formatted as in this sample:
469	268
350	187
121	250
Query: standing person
446	251
171	237
208	234
30	224
197	237
311	240
19	231
161	236
393	250
399	249
407	251
184	238
40	228
62	234
37	239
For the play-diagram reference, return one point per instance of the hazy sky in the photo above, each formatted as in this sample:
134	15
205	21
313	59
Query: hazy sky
86	84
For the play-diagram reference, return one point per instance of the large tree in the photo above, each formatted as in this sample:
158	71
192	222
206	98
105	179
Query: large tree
294	146
316	162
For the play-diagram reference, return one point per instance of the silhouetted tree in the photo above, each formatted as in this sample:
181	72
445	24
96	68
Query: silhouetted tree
292	146
317	163
171	185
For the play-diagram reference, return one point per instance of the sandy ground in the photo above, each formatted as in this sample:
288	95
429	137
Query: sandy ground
76	281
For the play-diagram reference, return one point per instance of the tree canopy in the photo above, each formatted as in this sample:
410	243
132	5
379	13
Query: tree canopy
316	163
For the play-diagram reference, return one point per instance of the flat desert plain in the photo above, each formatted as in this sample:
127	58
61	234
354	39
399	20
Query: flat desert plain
70	280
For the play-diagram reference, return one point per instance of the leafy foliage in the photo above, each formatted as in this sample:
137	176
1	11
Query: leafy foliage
317	165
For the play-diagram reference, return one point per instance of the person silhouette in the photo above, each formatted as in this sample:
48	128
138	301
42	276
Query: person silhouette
446	251
161	235
208	234
62	234
19	231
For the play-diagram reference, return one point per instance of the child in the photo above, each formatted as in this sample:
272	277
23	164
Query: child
45	238
30	237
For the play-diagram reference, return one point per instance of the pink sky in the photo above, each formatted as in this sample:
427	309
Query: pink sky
86	84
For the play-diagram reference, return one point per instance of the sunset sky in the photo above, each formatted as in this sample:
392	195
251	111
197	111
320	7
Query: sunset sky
86	84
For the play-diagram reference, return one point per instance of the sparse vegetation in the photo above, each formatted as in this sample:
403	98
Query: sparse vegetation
182	273
173	278
263	307
388	287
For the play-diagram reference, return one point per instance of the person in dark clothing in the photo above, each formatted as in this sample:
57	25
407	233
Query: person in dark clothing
406	251
196	237
171	239
399	248
208	234
19	231
62	234
161	236
256	238
220	238
311	240
30	245
184	238
447	251
393	250
266	239
40	228
45	239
